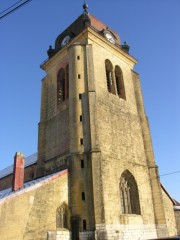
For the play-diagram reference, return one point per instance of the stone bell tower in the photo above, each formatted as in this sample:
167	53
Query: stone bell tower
93	122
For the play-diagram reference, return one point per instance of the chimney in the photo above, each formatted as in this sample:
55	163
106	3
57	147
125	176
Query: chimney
18	172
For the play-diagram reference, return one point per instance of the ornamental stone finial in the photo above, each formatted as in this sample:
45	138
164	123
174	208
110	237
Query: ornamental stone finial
85	7
86	18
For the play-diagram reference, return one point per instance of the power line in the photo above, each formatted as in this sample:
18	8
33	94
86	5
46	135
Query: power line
169	173
162	175
15	7
10	7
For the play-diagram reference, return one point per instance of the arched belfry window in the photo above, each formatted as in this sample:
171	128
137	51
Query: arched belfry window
119	83
62	84
109	76
129	194
62	217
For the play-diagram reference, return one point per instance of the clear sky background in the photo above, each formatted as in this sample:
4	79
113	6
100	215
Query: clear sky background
150	27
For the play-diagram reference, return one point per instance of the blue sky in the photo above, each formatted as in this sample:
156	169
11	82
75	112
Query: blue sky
150	27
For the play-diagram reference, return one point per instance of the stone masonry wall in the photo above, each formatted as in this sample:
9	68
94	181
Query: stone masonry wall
169	213
120	139
64	234
177	216
29	214
53	136
122	145
127	231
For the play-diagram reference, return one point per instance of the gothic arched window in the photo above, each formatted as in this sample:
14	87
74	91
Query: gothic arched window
129	194
119	83
62	217
109	76
63	84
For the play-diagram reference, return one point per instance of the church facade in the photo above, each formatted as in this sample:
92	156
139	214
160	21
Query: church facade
95	175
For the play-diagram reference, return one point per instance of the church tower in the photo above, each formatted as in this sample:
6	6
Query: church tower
93	123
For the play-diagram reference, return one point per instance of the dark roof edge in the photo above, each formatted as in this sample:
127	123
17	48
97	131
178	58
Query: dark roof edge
175	203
